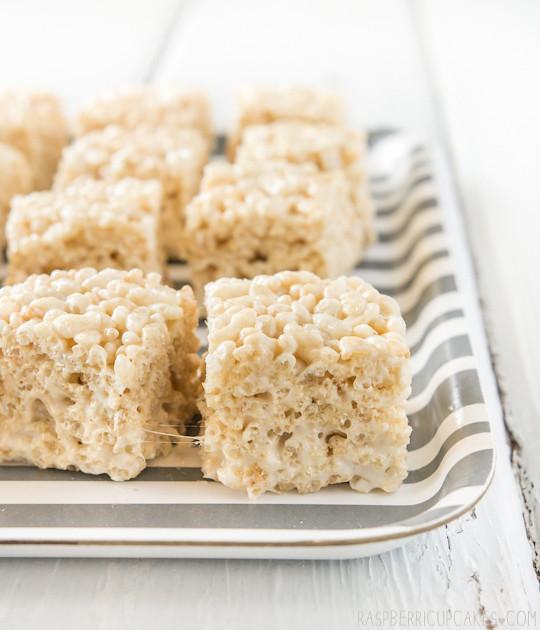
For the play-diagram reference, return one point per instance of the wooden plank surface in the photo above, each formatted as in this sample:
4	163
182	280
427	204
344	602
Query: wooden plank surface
488	97
78	49
351	47
371	52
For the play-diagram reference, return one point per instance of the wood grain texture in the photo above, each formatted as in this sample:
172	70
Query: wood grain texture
489	102
481	564
365	50
78	49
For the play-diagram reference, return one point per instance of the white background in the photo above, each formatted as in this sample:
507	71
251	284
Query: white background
463	75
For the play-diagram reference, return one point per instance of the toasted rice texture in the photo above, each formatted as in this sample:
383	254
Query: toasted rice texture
149	106
89	223
306	382
94	365
34	124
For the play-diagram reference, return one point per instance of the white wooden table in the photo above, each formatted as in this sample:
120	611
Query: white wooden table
462	74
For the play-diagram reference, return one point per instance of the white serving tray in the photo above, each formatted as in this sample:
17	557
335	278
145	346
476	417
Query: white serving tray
171	511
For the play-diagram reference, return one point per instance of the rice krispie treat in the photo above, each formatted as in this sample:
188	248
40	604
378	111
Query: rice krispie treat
329	147
90	223
149	106
35	125
98	370
258	106
306	382
260	219
15	179
175	158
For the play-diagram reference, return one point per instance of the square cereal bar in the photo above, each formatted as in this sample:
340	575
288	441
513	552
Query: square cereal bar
260	106
175	158
90	223
329	147
306	383
264	218
35	125
97	370
15	179
149	106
